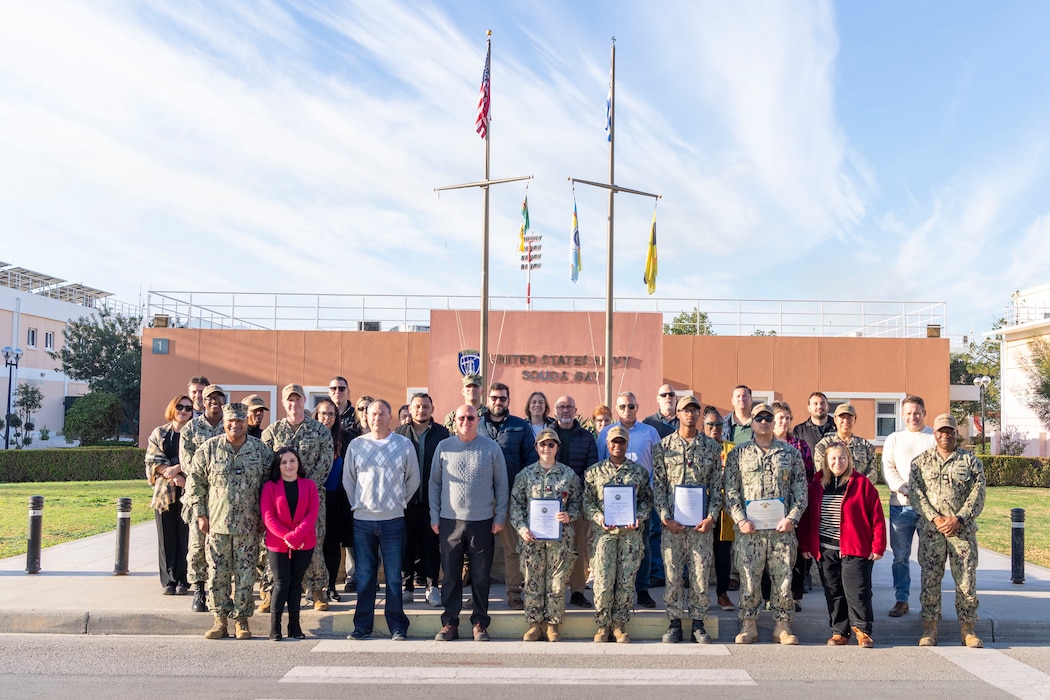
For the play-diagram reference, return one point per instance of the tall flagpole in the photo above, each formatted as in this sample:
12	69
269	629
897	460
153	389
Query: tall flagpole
609	259
484	325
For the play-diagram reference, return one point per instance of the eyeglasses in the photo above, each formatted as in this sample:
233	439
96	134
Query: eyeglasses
337	388
220	399
183	407
713	424
499	399
630	406
469	419
669	395
564	407
763	418
326	413
547	444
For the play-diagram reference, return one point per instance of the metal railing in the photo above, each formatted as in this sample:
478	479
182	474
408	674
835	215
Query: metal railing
788	317
1016	314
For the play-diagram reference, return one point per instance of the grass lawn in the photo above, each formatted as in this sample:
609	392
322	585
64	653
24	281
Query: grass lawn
994	523
72	509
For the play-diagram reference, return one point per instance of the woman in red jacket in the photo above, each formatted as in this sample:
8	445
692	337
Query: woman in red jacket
844	527
289	505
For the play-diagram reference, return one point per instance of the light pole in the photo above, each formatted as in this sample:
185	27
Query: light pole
982	384
11	358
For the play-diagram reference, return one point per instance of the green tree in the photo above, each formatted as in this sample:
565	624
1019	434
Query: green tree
105	350
93	418
693	322
979	359
29	400
1037	367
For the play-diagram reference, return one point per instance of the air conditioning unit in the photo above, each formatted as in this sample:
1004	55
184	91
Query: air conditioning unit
368	325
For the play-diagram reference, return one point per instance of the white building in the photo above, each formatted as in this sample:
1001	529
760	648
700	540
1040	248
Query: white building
34	310
1027	318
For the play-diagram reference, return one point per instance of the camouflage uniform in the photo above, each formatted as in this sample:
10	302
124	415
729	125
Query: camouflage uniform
617	552
316	450
752	475
863	454
227	483
696	462
191	437
952	486
546	564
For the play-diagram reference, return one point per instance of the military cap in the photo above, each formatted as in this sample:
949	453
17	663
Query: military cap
945	420
761	408
254	401
846	408
235	411
213	389
290	389
687	401
472	379
617	431
548	434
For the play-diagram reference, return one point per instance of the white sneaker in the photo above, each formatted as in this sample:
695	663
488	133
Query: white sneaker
433	596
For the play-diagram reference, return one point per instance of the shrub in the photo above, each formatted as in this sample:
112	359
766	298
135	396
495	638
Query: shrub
72	464
1003	470
93	417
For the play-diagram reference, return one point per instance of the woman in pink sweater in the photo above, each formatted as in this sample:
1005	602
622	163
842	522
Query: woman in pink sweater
289	505
844	527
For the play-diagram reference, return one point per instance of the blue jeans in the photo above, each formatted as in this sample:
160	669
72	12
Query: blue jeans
373	539
903	520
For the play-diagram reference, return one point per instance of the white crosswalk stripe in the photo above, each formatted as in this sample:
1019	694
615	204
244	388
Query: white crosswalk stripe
998	669
452	675
575	648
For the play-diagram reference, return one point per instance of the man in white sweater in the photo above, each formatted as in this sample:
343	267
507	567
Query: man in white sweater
898	452
380	474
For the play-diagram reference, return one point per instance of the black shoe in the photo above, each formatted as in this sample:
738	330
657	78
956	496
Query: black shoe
169	589
360	634
200	602
700	635
182	589
673	635
685	583
580	600
516	603
350	586
807	581
645	600
275	636
334	595
656	582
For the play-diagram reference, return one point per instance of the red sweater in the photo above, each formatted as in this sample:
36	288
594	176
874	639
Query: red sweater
300	528
863	528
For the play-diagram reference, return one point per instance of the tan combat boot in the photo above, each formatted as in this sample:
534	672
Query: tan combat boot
969	638
319	600
782	633
553	635
264	601
864	640
602	635
241	628
929	634
218	630
748	631
620	633
535	632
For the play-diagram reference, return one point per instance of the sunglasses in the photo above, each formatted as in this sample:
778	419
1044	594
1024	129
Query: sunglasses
362	409
714	424
499	399
670	395
183	407
631	406
337	388
547	443
469	419
763	418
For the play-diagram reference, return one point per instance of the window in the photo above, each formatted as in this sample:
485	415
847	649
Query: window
49	340
885	418
31	338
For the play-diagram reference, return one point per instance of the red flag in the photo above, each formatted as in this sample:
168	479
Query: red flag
485	99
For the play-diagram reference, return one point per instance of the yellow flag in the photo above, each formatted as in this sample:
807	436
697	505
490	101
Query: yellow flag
650	258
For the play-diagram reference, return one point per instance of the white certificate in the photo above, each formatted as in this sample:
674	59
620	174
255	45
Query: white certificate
619	505
765	514
690	505
543	523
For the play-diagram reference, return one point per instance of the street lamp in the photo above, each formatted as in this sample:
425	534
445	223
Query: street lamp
982	384
11	358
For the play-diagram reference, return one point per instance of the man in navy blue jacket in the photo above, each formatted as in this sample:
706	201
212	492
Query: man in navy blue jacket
515	437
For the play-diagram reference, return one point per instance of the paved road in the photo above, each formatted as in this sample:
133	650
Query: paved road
50	666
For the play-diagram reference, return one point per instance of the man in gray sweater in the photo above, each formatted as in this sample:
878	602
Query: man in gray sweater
468	506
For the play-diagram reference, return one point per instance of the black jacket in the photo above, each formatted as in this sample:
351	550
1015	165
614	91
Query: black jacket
436	434
580	452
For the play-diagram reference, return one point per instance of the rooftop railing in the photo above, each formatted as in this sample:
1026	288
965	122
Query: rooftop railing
358	312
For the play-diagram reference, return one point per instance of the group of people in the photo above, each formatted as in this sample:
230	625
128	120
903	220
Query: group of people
681	497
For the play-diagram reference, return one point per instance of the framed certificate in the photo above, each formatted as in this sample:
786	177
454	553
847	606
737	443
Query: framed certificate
766	513
619	505
690	505
543	522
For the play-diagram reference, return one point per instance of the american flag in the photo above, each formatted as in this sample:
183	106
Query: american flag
485	100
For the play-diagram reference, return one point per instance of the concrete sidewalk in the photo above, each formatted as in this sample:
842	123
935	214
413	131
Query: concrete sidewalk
77	593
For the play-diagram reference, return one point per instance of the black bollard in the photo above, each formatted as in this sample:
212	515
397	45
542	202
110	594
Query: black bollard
36	526
1017	545
120	566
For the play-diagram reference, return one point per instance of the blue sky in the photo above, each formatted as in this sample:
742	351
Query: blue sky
890	151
